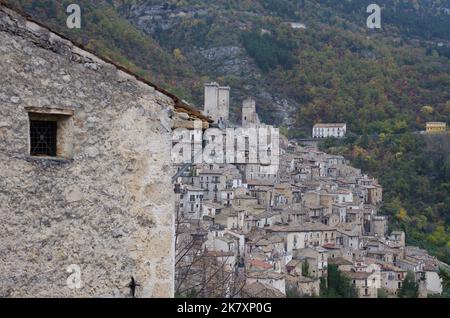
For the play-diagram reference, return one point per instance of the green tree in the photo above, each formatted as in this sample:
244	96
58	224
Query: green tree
305	269
410	289
292	293
323	292
382	293
338	285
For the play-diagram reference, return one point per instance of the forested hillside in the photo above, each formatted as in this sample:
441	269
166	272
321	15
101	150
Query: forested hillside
383	83
334	70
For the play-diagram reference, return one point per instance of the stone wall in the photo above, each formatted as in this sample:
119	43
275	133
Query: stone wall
106	204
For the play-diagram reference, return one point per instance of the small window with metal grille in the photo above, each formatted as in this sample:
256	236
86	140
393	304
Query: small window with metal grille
43	136
50	133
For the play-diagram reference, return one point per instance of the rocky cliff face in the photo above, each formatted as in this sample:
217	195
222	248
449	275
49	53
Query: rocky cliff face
215	56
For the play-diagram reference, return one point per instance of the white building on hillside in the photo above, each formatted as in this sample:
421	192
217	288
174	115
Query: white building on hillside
329	130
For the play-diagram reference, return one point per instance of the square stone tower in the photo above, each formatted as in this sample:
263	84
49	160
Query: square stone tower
249	116
217	102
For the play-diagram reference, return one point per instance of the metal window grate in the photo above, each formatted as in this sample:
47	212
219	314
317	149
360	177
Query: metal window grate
43	138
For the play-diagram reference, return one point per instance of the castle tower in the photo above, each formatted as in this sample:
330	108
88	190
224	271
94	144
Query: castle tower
211	99
217	102
249	116
224	103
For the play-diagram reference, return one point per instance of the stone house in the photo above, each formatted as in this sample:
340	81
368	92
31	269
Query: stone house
317	258
294	267
273	279
373	194
391	278
86	170
305	235
340	210
430	282
410	264
349	239
211	209
191	205
260	290
343	264
305	286
365	283
213	181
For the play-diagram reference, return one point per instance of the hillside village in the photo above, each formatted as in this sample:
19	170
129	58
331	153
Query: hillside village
87	188
245	231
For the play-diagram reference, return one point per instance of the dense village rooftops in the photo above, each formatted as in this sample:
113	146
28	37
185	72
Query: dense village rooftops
276	239
431	266
260	290
267	248
349	233
194	189
226	238
334	157
293	263
282	186
263	242
331	246
339	205
262	189
409	261
341	191
217	254
305	280
244	197
380	252
353	211
314	207
212	204
357	275
339	261
373	186
306	227
258	213
265	275
389	267
259	183
211	172
259	264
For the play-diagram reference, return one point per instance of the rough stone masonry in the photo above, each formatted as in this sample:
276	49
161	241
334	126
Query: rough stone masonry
104	202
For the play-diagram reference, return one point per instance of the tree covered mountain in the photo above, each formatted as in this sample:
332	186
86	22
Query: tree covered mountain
304	62
335	69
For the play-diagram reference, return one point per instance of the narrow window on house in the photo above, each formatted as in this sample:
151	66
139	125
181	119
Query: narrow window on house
50	132
43	138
